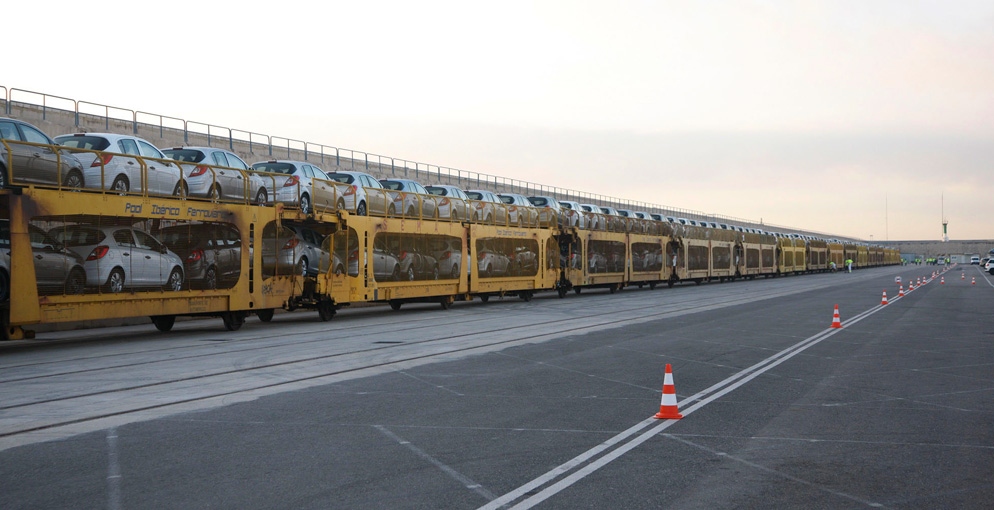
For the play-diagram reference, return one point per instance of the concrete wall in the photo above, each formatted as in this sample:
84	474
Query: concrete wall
929	249
57	122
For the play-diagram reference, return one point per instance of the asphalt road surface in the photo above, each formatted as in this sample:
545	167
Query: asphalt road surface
545	404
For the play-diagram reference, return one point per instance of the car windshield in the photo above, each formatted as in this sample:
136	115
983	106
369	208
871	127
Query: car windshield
185	155
342	178
78	236
93	143
276	168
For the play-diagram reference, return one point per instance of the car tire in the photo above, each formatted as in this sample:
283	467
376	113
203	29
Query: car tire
455	272
214	194
73	180
262	197
115	281
434	273
4	286
302	267
210	278
340	206
3	177
120	185
305	203
76	282
395	276
175	281
412	212
181	190
410	274
361	209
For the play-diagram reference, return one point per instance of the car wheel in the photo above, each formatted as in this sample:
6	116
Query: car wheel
434	273
395	276
455	272
391	211
73	180
488	272
305	203
210	278
214	193
3	177
120	184
76	282
265	315
454	215
412	212
262	198
163	323
361	209
340	270
302	267
410	274
180	190
4	286
115	282
175	281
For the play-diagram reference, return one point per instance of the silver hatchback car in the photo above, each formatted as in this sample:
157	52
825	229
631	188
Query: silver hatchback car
33	164
119	167
230	179
122	257
296	184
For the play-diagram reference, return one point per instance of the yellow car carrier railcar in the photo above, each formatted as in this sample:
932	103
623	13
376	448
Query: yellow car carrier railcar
817	255
759	252
791	255
127	250
649	243
837	254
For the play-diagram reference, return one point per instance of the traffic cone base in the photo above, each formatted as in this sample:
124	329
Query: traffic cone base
667	407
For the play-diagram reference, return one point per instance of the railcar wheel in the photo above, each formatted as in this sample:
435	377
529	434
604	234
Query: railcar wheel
562	292
233	320
163	323
525	296
485	298
612	289
652	285
669	284
395	305
326	311
577	290
445	302
265	315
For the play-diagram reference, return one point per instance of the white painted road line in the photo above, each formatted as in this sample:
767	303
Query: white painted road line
703	398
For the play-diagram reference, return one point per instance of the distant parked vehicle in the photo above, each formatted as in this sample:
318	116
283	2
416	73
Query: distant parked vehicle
57	269
299	187
120	257
455	204
448	253
573	213
34	164
231	180
519	209
211	253
487	207
367	194
118	167
407	199
491	262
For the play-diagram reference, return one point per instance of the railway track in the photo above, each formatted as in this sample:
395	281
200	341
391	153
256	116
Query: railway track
88	396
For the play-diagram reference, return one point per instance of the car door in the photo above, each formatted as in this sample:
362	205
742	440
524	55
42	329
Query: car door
130	166
162	176
231	181
49	261
229	253
43	165
132	266
243	180
146	253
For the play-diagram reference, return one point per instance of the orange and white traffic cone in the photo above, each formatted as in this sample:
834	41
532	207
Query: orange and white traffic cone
900	292
836	322
942	281
911	286
962	276
883	300
973	280
667	408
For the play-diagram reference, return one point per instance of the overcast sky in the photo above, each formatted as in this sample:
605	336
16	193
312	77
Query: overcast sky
847	117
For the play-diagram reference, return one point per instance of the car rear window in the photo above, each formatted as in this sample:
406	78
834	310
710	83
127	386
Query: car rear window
275	168
93	143
474	195
538	201
507	200
185	155
342	178
435	190
393	185
78	236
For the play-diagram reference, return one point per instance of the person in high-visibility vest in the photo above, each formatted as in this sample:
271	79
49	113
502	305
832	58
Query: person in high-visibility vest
849	264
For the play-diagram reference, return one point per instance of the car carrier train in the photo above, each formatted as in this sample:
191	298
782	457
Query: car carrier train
76	244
